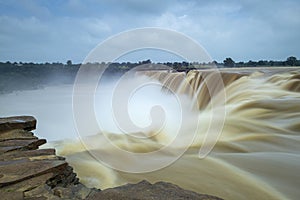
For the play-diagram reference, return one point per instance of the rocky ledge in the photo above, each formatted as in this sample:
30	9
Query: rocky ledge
27	172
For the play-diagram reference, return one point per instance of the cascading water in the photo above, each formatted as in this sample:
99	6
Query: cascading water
255	157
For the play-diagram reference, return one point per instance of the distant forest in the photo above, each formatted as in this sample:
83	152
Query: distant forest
15	76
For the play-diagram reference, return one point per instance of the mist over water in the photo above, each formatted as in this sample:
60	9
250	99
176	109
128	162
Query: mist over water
139	104
256	156
52	106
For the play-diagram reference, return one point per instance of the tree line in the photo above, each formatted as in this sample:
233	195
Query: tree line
290	61
21	76
123	66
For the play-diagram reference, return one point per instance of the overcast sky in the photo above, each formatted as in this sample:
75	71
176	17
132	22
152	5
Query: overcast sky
56	30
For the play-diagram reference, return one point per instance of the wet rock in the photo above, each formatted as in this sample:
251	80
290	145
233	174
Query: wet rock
8	195
27	123
77	191
19	170
10	145
63	179
147	191
27	172
16	134
13	155
29	184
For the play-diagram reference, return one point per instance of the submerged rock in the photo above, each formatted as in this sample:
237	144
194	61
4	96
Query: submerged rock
27	172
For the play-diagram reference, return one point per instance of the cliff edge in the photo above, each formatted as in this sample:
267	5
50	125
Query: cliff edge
27	172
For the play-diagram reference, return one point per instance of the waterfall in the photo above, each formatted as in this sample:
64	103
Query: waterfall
256	155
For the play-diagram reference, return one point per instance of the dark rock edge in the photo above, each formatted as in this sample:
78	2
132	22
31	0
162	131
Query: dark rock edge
27	172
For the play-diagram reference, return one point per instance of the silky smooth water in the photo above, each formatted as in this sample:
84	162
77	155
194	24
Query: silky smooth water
256	156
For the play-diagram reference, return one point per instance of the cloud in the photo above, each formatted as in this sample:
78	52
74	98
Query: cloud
249	30
60	30
30	39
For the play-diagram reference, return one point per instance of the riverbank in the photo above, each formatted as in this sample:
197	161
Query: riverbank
27	172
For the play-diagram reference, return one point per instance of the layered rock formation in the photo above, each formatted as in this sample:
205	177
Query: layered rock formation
27	172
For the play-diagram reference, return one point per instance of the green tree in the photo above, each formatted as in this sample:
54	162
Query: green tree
69	62
292	61
228	62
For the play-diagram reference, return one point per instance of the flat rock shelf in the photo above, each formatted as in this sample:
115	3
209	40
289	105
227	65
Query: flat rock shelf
27	172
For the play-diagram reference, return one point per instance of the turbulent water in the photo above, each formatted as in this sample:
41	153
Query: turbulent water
257	152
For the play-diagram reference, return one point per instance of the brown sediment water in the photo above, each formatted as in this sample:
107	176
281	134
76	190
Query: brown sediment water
255	157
